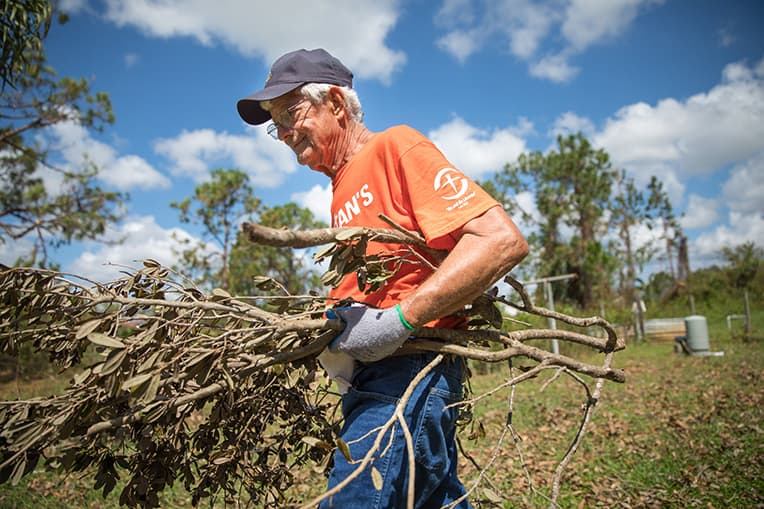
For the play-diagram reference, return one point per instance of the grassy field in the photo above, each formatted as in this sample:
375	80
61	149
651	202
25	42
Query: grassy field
681	432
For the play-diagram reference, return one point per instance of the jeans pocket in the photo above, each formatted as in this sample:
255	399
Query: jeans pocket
369	404
433	437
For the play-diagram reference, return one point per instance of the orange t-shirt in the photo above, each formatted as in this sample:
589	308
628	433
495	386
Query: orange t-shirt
401	174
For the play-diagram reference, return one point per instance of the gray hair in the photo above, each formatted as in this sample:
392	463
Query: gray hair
316	92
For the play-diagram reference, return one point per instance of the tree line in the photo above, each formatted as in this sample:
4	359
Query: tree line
586	213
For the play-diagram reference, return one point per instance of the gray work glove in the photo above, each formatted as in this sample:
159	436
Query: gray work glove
370	334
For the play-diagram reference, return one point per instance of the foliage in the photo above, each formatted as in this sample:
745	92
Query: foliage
660	209
25	24
39	200
630	208
582	201
291	268
714	286
572	187
744	260
187	387
218	206
658	286
235	264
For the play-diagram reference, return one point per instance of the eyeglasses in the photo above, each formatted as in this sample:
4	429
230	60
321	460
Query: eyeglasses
285	120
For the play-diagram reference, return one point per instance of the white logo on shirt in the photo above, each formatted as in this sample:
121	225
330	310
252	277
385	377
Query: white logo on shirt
352	207
453	182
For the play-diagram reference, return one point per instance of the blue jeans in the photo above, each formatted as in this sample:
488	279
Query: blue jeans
371	401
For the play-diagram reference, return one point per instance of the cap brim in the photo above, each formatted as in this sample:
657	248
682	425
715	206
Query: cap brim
249	107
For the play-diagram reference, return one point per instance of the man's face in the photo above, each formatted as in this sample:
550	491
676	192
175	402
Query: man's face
313	129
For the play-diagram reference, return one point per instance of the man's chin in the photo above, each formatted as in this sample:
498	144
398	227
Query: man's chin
304	161
303	158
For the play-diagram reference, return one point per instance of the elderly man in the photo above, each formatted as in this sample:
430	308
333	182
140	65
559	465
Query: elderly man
399	173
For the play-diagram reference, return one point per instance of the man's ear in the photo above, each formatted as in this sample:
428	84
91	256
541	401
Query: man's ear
336	100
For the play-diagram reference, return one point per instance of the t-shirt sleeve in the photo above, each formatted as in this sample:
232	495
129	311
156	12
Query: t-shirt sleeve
442	198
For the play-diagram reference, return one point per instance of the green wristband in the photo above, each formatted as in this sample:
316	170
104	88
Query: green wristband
403	320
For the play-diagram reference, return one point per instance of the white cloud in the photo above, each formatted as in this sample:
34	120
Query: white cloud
131	59
696	136
72	6
554	68
564	27
461	45
455	12
352	30
590	21
570	123
527	203
75	145
12	250
739	72
122	172
705	249
642	236
131	171
726	37
318	200
141	238
712	133
195	153
528	24
744	191
522	22
477	152
700	213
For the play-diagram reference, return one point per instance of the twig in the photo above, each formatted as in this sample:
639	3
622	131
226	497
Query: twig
614	375
589	409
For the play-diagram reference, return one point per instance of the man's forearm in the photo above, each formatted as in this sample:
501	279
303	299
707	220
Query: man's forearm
488	248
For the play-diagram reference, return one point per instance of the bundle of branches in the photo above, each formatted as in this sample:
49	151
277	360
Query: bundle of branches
214	391
184	385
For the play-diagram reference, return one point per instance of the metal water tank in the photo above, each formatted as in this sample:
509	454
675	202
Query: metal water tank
697	333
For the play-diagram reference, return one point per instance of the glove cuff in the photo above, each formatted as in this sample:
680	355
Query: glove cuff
403	319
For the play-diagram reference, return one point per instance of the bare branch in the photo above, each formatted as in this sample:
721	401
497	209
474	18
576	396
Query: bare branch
276	237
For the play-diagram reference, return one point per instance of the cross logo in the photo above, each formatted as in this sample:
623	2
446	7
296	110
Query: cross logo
452	181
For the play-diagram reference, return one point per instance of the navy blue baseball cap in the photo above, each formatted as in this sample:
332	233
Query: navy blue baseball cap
289	72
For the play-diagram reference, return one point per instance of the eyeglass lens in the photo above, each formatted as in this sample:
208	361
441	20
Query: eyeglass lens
285	120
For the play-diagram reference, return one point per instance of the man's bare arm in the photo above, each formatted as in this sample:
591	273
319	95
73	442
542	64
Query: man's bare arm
488	247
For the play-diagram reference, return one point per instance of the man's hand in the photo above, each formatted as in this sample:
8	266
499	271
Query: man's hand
370	334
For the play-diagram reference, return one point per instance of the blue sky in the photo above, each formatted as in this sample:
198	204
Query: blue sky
673	88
